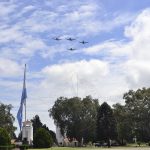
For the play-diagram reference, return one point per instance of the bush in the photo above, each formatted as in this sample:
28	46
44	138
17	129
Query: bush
9	147
42	139
24	147
4	137
139	143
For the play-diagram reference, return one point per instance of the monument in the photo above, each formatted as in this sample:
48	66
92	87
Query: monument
27	132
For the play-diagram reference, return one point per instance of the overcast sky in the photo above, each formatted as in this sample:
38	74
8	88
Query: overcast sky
115	59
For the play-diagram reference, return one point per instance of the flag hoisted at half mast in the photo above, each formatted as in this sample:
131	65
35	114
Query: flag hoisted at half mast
23	101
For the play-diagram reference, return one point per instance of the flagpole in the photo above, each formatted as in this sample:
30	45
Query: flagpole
77	83
25	87
24	84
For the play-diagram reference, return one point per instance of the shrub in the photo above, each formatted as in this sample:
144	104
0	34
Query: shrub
4	137
139	143
42	139
23	147
9	147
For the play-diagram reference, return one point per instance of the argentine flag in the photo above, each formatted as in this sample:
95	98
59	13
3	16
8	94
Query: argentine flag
23	101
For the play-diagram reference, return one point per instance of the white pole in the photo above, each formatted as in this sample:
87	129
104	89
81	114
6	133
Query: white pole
24	84
77	85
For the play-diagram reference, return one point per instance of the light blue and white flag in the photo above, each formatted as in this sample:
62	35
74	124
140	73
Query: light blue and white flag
19	116
23	101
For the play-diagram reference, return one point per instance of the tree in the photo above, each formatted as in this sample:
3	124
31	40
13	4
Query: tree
89	116
4	137
36	122
7	119
53	135
76	117
106	124
137	105
124	127
42	139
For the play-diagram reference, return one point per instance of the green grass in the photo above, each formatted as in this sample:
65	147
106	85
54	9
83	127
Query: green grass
93	148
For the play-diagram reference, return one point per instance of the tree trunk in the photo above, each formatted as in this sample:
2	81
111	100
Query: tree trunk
122	142
108	143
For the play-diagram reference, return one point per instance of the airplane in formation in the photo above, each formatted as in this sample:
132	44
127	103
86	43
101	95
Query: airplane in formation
83	42
70	39
57	38
71	49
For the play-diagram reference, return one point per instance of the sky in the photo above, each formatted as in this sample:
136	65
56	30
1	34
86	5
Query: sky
115	59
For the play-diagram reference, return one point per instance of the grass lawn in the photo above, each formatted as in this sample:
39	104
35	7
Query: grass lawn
93	148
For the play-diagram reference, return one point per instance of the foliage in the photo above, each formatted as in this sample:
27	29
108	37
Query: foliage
36	122
133	117
124	127
76	117
106	124
7	119
4	137
93	148
23	147
137	105
53	135
8	147
42	139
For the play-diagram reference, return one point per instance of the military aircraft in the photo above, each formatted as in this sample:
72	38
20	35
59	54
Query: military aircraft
83	42
56	38
71	49
70	39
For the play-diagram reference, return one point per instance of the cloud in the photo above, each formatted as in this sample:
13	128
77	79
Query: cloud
135	50
6	10
30	47
105	46
27	9
139	62
31	28
9	68
90	76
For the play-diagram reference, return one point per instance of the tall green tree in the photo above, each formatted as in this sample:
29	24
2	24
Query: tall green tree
137	104
42	139
7	119
52	133
37	124
106	124
89	117
124	127
76	117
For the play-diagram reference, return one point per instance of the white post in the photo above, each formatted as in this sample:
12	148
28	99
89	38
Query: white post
25	99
